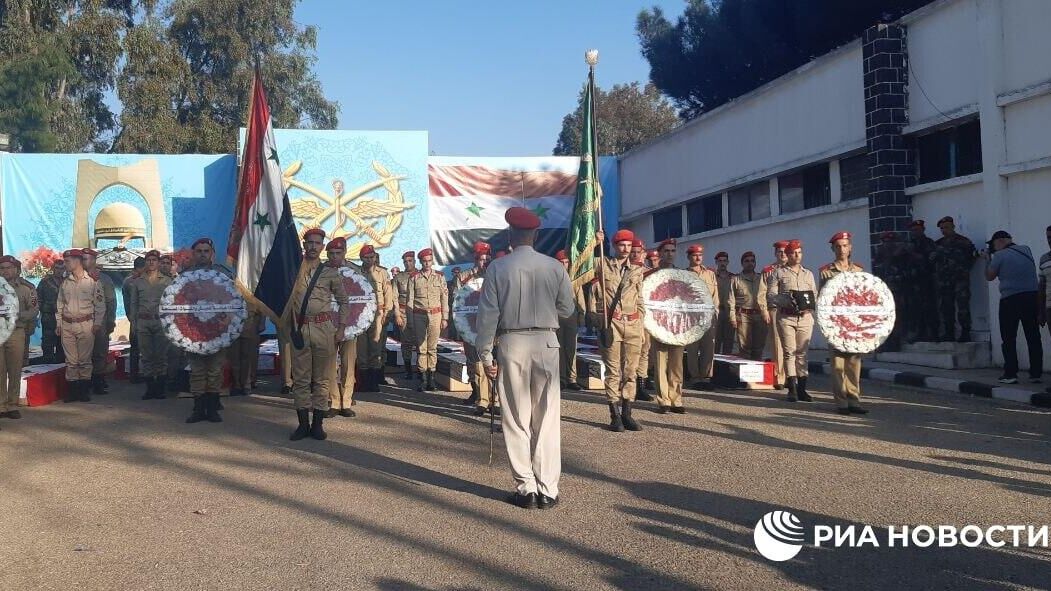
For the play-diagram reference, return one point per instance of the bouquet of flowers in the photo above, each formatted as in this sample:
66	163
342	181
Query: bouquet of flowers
36	263
202	312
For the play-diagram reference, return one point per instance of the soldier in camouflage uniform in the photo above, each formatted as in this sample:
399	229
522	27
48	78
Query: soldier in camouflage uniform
921	321
47	292
891	265
953	257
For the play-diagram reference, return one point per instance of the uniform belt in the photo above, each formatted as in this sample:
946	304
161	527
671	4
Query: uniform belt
147	316
321	317
748	310
785	312
626	317
427	311
503	331
72	319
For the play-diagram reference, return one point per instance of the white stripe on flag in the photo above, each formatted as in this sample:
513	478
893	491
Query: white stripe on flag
485	212
259	237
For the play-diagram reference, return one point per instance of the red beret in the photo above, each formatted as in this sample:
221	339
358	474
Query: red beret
781	244
207	241
167	257
73	252
395	271
500	253
89	252
840	236
722	254
793	245
695	248
747	254
366	250
408	254
888	235
636	243
623	236
425	253
666	242
341	243
521	218
481	248
917	223
153	253
561	255
653	254
945	220
9	259
314	232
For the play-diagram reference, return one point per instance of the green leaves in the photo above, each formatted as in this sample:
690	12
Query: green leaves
628	115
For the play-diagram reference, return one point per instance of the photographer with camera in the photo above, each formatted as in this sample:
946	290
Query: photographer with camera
1014	266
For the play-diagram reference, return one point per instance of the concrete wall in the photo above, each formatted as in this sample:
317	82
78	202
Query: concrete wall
942	58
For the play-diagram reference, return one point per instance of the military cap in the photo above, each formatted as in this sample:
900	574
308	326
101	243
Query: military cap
666	242
695	249
793	245
521	218
207	241
367	250
481	248
89	252
722	254
153	253
408	254
840	236
747	254
561	255
623	236
314	232
636	243
341	243
653	254
73	253
945	220
782	244
425	253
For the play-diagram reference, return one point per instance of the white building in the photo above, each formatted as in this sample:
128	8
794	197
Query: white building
952	104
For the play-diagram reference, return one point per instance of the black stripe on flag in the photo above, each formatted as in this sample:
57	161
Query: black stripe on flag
457	246
278	277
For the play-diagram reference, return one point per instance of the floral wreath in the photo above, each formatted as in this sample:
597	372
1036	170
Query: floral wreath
855	312
679	307
193	320
8	310
361	298
465	309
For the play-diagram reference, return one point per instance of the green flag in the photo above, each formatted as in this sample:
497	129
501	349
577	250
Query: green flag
585	221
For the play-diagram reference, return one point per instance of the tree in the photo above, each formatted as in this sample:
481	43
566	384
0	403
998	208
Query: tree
718	50
628	115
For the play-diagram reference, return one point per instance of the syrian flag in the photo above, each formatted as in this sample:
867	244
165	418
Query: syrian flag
264	243
468	198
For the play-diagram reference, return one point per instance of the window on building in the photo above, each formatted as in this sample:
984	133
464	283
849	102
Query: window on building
750	203
667	223
705	214
949	153
805	189
854	177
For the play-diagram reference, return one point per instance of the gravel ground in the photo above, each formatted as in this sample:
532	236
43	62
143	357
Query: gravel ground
119	493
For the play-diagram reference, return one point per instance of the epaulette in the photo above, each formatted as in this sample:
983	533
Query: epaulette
826	267
768	269
414	275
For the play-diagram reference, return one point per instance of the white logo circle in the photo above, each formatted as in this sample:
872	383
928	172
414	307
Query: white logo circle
779	536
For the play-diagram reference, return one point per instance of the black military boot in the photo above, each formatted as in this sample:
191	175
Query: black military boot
792	389
625	414
408	370
650	386
304	425
212	407
316	430
96	384
151	388
71	392
161	387
474	397
378	379
615	423
422	386
801	392
84	390
640	390
104	383
199	413
430	381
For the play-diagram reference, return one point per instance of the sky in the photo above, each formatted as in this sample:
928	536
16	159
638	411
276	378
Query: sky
483	78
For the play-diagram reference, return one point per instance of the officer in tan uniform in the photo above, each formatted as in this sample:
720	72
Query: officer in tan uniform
206	371
81	313
143	304
372	350
846	367
309	313
100	350
524	295
668	358
700	356
480	387
773	338
567	333
619	310
244	353
12	352
794	291
401	287
747	309
644	368
428	311
724	333
343	379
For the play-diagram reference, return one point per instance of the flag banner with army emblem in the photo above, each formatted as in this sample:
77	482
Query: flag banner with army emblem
264	243
855	312
588	202
465	309
8	310
202	311
361	300
679	307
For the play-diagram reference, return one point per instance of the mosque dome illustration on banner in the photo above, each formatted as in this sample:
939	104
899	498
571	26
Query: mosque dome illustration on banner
120	221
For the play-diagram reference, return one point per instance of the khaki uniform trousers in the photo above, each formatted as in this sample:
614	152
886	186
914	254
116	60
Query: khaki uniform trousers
206	372
153	349
408	341
426	328
77	343
99	352
11	355
751	335
795	332
372	347
311	366
642	370
846	378
244	354
567	352
725	335
622	358
341	390
777	351
700	356
669	373
285	349
531	416
476	374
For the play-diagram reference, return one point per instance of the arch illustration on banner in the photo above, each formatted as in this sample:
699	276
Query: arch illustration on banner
142	177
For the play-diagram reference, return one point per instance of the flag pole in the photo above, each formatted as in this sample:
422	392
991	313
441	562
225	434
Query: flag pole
591	57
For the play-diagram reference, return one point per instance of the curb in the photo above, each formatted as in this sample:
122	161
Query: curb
929	382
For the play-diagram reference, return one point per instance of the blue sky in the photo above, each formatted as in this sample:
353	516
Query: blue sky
484	78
